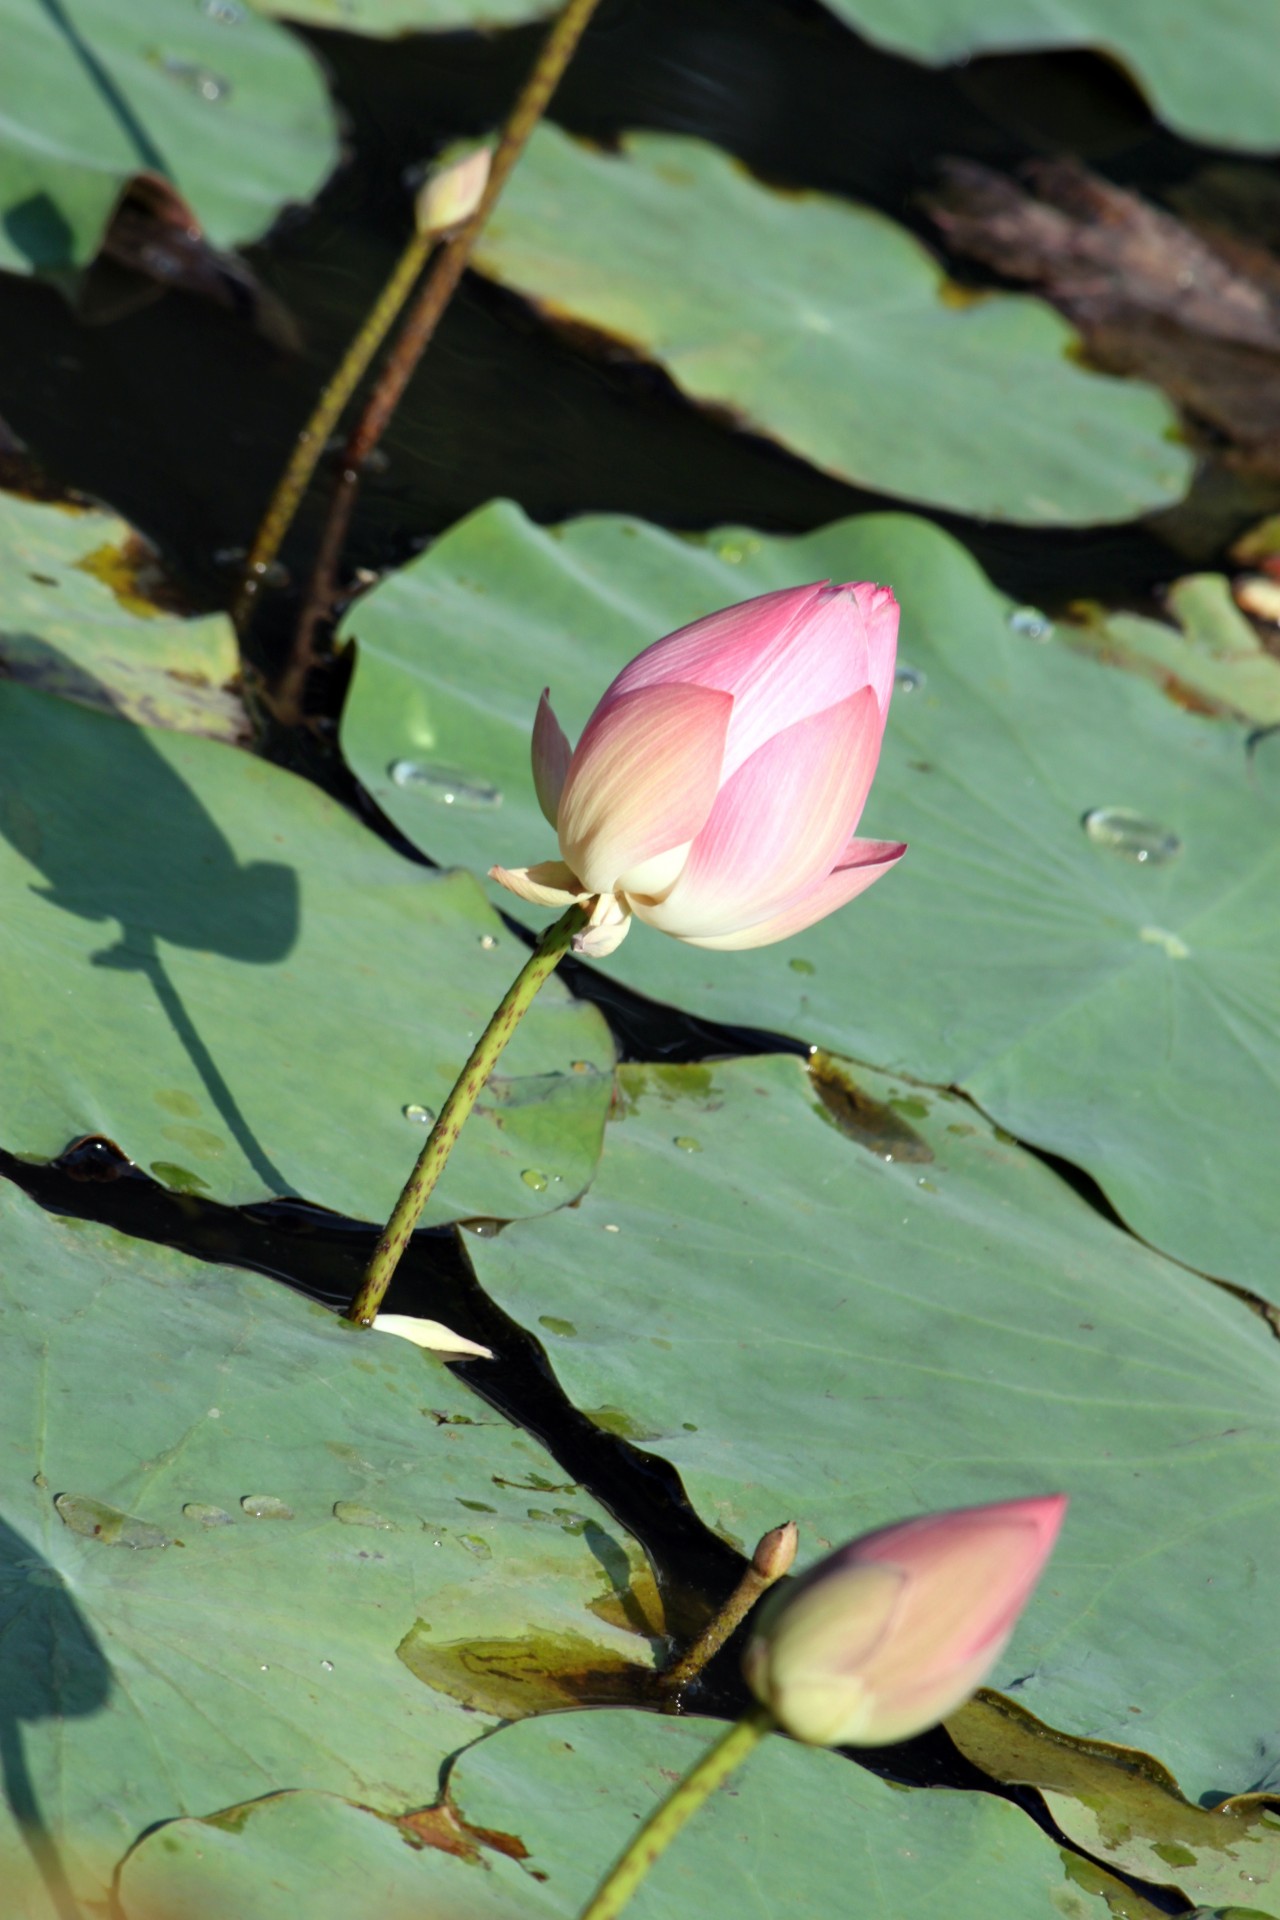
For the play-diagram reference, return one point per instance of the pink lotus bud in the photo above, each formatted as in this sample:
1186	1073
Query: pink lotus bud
890	1634
716	787
452	191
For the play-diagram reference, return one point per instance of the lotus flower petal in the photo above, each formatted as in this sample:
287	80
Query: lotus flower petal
642	779
778	825
783	656
864	862
548	884
551	756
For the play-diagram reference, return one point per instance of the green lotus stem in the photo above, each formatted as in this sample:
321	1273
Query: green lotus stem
539	967
420	325
662	1826
324	417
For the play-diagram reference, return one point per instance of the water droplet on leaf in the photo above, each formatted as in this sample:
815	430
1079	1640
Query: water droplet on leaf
352	1514
1132	835
193	79
488	941
421	1116
1031	623
687	1143
265	1506
205	1515
97	1521
801	966
908	679
446	786
533	1178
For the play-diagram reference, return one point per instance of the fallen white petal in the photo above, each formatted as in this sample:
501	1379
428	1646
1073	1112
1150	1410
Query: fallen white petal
432	1334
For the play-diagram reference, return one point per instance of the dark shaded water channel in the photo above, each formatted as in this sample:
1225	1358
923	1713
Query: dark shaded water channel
180	411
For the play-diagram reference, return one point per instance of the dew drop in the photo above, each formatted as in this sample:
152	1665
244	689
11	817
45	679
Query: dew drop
265	1506
225	12
1031	623
205	1515
488	941
200	81
97	1521
612	1229
474	1544
1161	937
687	1143
353	1514
1132	835
565	1328
446	786
421	1116
327	1666
801	966
908	679
532	1177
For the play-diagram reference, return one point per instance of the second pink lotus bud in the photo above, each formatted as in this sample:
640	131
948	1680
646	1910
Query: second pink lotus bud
716	789
887	1636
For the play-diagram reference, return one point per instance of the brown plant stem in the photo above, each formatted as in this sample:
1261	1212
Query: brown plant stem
314	436
771	1559
424	317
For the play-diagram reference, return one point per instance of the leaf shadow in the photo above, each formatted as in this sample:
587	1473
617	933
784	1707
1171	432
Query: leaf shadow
51	1668
118	835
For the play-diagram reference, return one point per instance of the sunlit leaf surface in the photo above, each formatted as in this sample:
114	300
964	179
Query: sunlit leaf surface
830	328
1107	990
547	1804
305	1493
846	1327
216	966
228	106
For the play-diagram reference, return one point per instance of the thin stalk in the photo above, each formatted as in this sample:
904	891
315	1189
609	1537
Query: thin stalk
772	1558
424	317
539	967
314	437
662	1826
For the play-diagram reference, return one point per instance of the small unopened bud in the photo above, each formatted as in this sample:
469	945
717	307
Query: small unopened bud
451	192
889	1635
776	1552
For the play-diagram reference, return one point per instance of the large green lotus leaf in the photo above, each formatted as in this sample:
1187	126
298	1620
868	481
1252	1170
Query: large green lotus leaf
811	1330
230	107
76	618
329	1858
1121	1012
567	1791
409	16
1212	659
1124	1808
829	328
1205	71
212	963
222	1510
